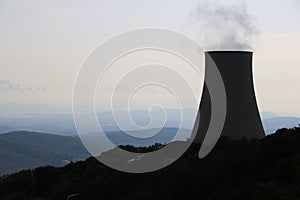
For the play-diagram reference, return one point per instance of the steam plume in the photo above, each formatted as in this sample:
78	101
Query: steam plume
225	26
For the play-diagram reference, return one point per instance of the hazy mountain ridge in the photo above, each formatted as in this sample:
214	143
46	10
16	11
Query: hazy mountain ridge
5	129
27	149
63	124
267	115
272	124
24	150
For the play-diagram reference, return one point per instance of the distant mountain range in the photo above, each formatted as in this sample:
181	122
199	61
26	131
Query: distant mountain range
23	150
273	124
267	115
63	124
5	129
32	148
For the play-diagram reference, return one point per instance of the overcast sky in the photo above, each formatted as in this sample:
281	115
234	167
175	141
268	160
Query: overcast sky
43	43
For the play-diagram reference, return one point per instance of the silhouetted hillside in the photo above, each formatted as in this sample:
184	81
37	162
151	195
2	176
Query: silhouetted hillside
23	150
241	169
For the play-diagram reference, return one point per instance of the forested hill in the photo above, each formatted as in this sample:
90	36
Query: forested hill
258	169
25	150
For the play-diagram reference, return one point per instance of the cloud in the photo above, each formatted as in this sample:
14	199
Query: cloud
11	86
8	85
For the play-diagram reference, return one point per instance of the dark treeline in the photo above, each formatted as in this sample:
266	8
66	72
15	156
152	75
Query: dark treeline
236	169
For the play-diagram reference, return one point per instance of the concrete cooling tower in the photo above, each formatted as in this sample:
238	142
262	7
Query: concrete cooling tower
242	115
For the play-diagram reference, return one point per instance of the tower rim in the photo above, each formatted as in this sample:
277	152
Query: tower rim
229	51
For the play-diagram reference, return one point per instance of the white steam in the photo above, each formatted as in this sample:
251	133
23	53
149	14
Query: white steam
225	26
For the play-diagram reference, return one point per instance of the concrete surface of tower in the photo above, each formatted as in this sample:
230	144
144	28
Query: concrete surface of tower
242	115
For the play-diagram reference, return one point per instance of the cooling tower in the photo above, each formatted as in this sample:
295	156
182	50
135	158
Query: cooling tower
242	115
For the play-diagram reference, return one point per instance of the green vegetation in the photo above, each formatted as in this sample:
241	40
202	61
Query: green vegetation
235	169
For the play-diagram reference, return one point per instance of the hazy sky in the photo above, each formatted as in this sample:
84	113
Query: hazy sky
43	44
